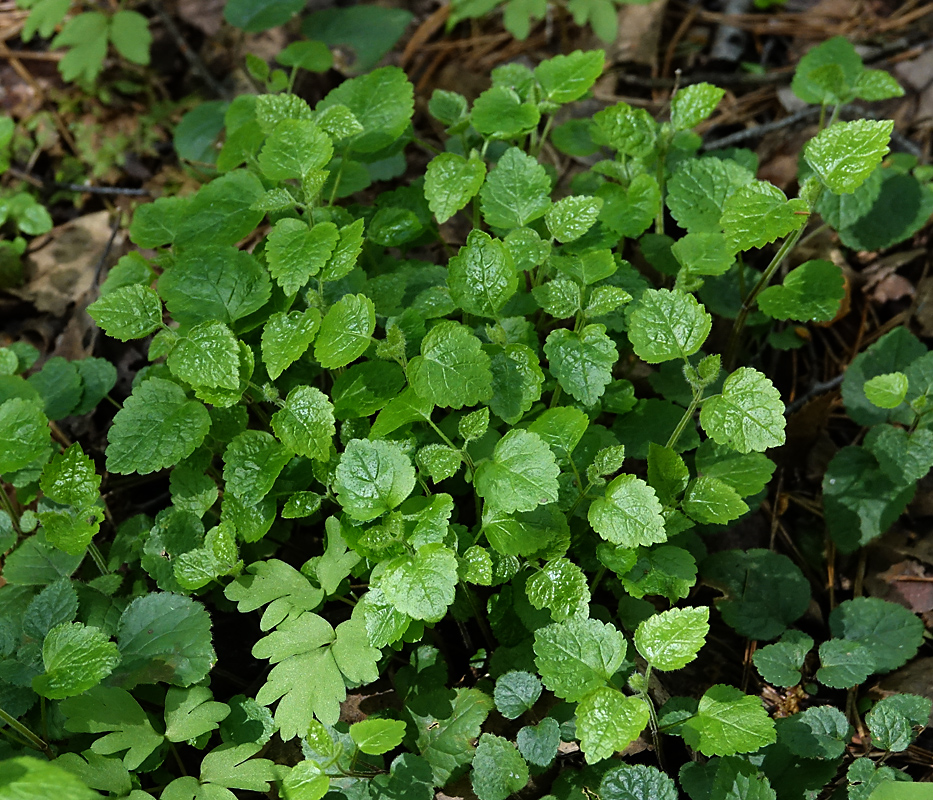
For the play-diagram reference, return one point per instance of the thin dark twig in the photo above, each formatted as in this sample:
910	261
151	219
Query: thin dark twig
761	130
821	387
114	229
105	190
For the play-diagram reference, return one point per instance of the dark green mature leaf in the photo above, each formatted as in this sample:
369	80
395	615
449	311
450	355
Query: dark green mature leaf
255	15
900	208
629	514
446	741
664	325
516	191
609	721
845	154
452	370
516	692
450	182
482	276
844	664
368	31
891	632
156	428
24	430
214	282
896	720
818	732
523	533
728	722
164	637
712	502
904	457
582	362
252	462
516	381
521	475
128	312
577	656
372	477
748	415
538	743
810	293
498	769
636	782
780	663
221	212
499	113
765	592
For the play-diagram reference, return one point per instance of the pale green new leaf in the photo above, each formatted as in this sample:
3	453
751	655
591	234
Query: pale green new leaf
581	361
887	390
671	639
24	431
482	276
516	191
521	475
343	259
699	189
129	312
577	656
846	153
628	514
499	113
570	218
748	415
711	501
294	148
286	337
810	293
376	736
561	587
452	370
421	585
208	355
192	712
295	252
694	103
157	427
665	324
129	34
561	298
346	331
306	423
450	182
372	477
608	722
729	722
76	658
567	78
70	478
758	213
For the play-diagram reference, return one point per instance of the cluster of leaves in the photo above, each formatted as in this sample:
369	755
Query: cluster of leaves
455	451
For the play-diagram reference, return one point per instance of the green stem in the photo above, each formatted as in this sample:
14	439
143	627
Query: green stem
463	453
8	507
688	415
98	558
652	718
544	135
22	730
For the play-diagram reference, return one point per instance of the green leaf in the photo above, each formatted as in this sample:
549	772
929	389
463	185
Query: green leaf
156	428
233	766
703	254
567	78
813	83
214	282
346	331
217	557
516	191
365	388
157	223
765	592
439	461
523	533
748	415
498	768
70	478
818	732
895	721
561	587
693	104
450	182
190	713
382	102
75	659
377	736
711	501
164	637
667	473
538	743
221	212
516	381
259	15
846	153
664	325
844	664
577	656
86	34
810	293
482	276
631	131
516	692
903	457
447	742
208	355
24	430
521	475
608	722
499	113
891	632
128	312
758	213
343	258
699	189
44	17
28	778
582	362
560	298
306	423
286	337
116	713
452	370
780	663
729	722
630	212
295	252
277	583
667	571
629	514
252	462
293	149
861	498
129	33
886	391
671	640
570	218
421	585
368	32
636	782
372	477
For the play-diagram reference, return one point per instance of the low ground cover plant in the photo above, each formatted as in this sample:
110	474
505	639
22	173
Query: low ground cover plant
400	437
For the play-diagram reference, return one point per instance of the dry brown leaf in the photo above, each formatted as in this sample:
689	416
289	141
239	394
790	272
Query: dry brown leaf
639	34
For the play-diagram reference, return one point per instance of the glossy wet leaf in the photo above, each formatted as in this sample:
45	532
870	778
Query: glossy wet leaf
846	153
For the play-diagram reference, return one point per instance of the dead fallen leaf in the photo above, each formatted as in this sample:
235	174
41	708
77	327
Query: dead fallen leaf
205	15
910	585
639	34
